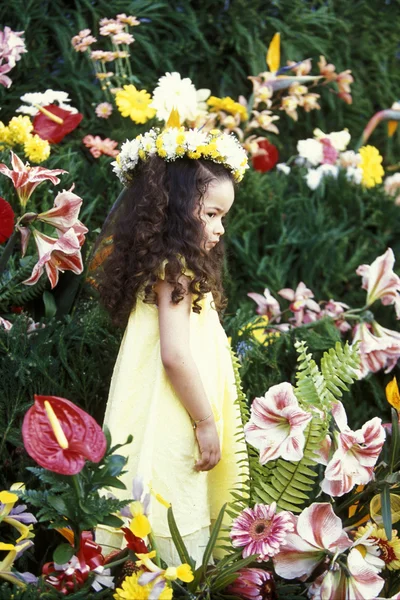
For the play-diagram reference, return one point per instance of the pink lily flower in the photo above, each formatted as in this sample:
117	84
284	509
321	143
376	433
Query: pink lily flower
56	255
266	305
277	424
300	301
5	324
334	309
25	178
63	216
354	460
379	348
65	211
4	79
360	583
318	531
380	281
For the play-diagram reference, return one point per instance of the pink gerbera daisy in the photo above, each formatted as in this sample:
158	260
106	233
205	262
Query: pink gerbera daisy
261	531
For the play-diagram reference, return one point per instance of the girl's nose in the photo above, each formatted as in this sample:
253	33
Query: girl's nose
219	230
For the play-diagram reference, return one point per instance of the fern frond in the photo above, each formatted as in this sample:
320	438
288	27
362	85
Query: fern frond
320	388
311	387
339	366
292	483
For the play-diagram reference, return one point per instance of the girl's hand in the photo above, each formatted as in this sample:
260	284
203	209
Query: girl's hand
208	441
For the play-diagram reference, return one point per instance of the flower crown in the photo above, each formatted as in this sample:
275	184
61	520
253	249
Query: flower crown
177	142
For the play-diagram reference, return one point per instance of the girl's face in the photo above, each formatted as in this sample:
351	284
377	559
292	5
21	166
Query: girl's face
217	202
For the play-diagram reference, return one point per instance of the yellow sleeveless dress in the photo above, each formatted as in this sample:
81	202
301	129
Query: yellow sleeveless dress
142	402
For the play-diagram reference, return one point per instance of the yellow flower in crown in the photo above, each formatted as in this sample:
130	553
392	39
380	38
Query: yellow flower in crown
176	142
371	166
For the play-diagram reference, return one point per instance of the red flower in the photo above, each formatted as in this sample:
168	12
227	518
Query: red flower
267	158
133	542
59	436
54	130
77	570
6	220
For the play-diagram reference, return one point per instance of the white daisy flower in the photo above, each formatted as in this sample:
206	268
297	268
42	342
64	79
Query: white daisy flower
174	92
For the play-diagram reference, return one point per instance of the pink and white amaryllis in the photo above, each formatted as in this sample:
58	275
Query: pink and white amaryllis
63	216
277	423
266	304
56	255
318	533
335	310
380	281
379	348
354	459
26	178
301	304
360	582
261	530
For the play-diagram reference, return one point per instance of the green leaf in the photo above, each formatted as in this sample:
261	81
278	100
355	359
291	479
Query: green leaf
58	504
50	306
177	539
386	512
112	521
63	553
213	539
113	482
395	444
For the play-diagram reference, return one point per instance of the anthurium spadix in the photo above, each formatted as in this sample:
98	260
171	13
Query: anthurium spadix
60	436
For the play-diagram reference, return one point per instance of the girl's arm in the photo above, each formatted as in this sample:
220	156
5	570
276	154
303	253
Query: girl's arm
174	324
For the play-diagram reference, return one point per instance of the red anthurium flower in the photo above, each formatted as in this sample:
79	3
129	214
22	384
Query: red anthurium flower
59	436
134	543
6	220
54	123
267	158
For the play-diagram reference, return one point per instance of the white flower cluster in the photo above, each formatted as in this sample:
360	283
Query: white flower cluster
324	155
177	142
34	99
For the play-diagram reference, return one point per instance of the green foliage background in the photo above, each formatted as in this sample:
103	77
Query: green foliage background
279	232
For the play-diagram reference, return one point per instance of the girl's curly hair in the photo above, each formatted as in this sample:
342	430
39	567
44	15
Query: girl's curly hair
159	219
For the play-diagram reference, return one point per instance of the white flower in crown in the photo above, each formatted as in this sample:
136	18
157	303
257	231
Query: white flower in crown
195	138
174	92
148	142
129	154
230	149
172	138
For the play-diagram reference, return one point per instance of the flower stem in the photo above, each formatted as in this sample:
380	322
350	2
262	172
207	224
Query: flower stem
8	251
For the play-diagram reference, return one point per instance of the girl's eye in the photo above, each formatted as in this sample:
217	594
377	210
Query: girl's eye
210	215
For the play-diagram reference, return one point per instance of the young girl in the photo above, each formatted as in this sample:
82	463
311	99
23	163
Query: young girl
173	384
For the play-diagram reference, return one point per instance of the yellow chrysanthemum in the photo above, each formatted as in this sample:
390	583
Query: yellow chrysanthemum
228	105
20	129
134	103
371	165
5	134
390	550
132	590
36	150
